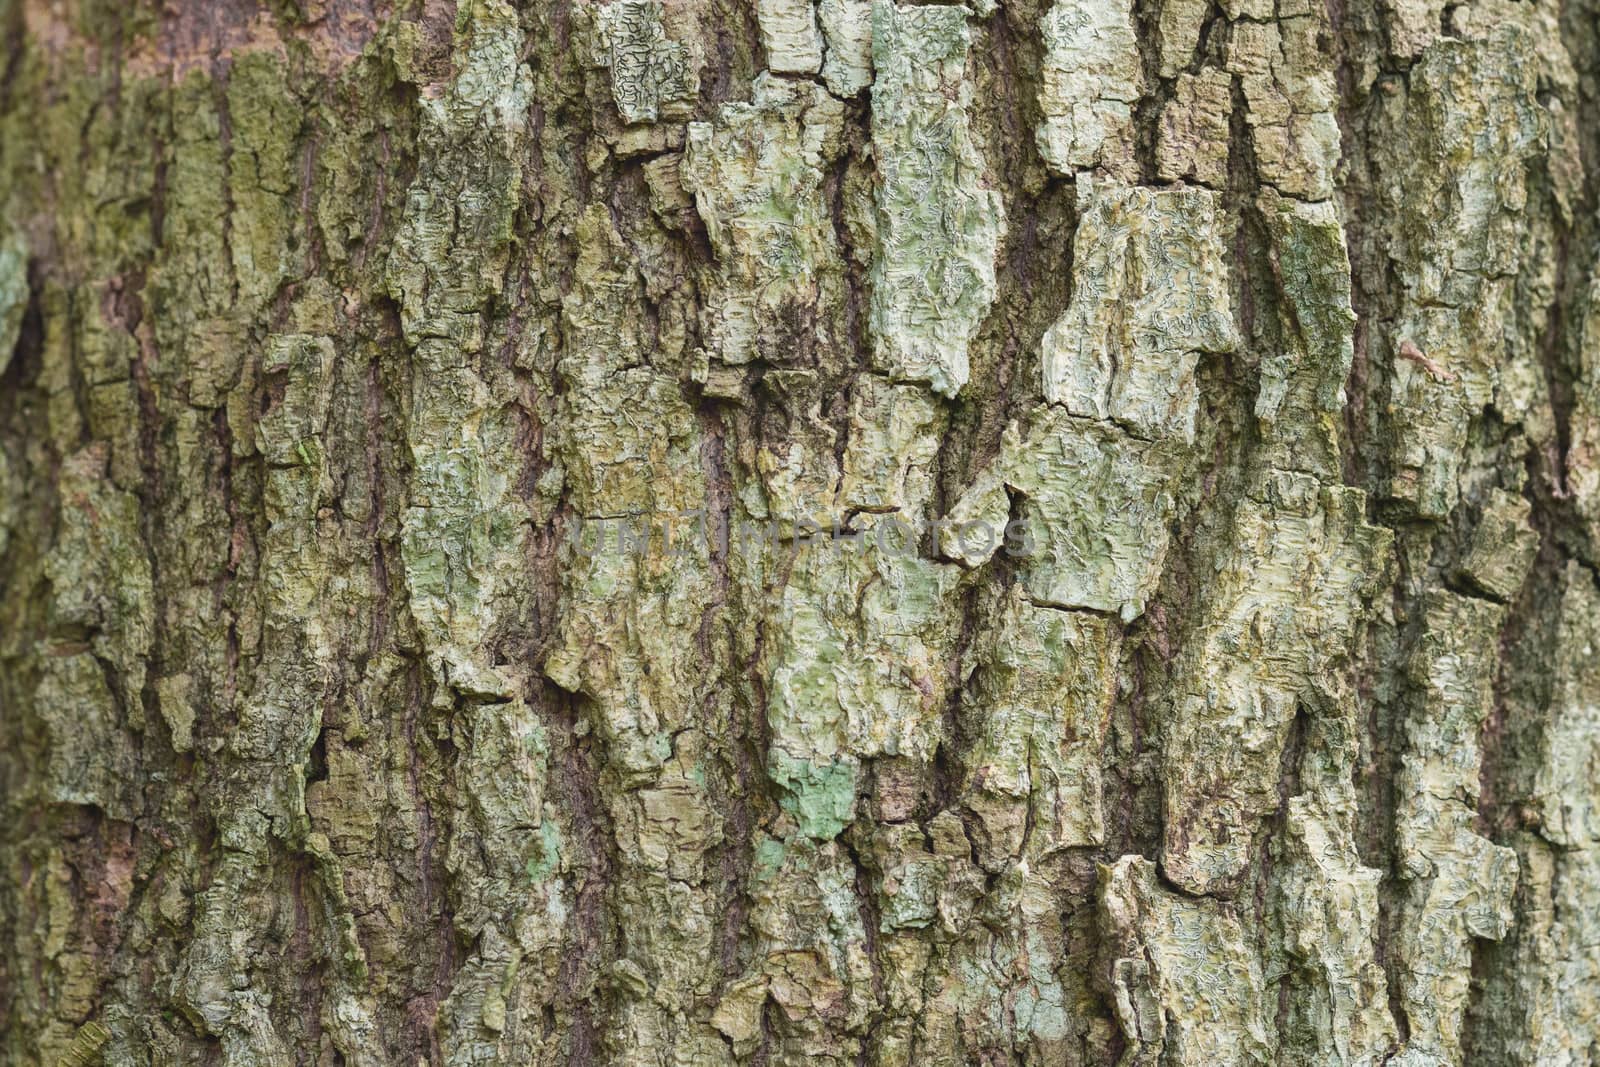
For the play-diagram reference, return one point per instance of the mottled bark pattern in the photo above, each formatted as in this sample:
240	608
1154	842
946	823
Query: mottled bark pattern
335	336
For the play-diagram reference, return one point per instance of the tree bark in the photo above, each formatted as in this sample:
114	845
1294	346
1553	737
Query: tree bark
695	532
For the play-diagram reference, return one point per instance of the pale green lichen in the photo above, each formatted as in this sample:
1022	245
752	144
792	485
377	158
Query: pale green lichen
1287	77
939	224
819	793
1039	701
652	76
789	35
1457	885
1301	396
891	450
1192	139
1150	295
13	291
1090	83
1541	1003
1500	552
757	174
1185	981
1258	647
1583	450
854	668
461	533
102	592
1096	504
1455	240
847	31
1325	912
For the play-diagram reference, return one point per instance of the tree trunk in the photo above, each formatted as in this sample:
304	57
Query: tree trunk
696	532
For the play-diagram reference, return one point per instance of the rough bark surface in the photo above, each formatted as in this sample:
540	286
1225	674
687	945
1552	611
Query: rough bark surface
490	546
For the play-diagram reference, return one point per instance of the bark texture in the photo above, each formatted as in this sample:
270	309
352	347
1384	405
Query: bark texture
492	532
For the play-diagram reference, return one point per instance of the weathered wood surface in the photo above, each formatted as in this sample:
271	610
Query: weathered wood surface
1149	457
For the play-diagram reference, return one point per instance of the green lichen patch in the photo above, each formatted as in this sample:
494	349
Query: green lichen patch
939	224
